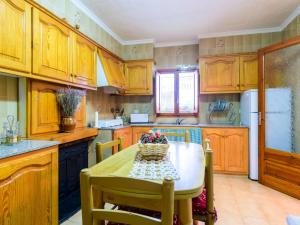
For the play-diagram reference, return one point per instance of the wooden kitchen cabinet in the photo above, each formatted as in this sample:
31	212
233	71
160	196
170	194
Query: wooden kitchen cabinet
29	188
248	72
137	133
84	61
52	46
113	68
44	114
139	77
125	134
219	74
15	44
230	148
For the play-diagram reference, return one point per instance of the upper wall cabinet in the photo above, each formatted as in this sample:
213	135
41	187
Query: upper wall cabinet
228	74
113	69
219	74
51	47
139	77
84	61
15	33
248	72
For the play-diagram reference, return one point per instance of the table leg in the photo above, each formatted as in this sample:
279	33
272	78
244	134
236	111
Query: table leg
185	211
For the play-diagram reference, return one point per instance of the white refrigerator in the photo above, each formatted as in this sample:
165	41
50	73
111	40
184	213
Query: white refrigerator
278	121
249	118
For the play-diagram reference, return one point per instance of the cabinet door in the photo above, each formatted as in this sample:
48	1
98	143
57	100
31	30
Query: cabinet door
137	133
15	33
44	114
113	69
44	111
51	47
29	189
248	72
126	135
236	151
216	138
138	76
219	74
84	61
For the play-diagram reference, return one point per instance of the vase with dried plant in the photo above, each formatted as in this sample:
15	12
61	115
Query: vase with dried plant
68	99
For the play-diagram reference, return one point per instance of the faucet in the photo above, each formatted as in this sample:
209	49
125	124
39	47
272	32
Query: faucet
179	121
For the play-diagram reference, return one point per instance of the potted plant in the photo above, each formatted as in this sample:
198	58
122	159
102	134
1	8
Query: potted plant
68	99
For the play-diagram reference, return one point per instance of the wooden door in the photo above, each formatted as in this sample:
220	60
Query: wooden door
84	61
51	47
236	150
126	135
44	111
219	74
279	104
138	76
248	72
29	189
216	137
15	33
137	133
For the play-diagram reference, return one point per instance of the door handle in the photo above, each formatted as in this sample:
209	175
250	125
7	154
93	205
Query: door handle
259	118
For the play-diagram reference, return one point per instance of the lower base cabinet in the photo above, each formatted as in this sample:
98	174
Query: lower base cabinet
230	148
29	188
126	136
72	159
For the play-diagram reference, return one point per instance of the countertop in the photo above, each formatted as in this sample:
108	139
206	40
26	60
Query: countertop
204	125
24	147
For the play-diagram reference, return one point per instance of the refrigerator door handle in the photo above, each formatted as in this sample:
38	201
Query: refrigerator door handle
259	118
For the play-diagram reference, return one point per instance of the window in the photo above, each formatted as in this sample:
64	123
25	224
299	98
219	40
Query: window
177	93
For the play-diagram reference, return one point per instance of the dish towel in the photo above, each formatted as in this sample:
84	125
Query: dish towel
195	134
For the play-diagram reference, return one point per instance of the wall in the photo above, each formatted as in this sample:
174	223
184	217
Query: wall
237	44
173	57
292	30
8	98
134	52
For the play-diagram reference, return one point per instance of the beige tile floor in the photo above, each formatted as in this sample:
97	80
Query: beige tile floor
240	201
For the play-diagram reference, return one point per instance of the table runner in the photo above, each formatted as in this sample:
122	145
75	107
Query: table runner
153	170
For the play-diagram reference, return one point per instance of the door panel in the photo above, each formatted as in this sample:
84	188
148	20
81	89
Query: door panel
84	61
279	133
216	138
236	150
248	72
15	33
219	74
137	133
52	47
138	77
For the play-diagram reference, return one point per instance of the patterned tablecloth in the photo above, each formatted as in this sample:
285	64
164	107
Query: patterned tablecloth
153	170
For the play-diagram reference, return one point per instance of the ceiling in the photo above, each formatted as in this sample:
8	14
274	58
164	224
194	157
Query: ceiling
165	21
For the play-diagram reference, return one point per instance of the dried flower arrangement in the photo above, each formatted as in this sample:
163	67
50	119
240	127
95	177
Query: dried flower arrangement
68	100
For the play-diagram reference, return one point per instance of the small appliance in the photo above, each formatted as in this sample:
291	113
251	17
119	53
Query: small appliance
139	118
109	123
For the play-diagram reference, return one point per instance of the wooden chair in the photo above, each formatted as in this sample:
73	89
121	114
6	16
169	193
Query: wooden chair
208	217
100	147
185	135
125	191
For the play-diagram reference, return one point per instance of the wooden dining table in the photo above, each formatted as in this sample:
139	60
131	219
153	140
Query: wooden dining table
187	158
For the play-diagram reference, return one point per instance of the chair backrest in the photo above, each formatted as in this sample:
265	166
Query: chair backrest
209	180
100	147
184	135
125	191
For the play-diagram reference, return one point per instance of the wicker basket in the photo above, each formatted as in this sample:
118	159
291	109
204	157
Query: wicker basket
153	151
